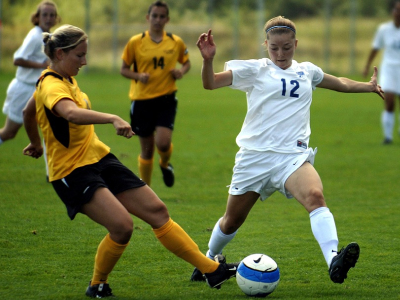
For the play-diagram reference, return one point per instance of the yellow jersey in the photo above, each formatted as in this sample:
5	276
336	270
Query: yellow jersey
68	145
157	59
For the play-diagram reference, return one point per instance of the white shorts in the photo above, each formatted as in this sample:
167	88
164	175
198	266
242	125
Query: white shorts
266	172
389	78
18	94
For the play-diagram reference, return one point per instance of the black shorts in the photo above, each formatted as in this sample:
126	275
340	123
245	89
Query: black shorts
146	115
78	188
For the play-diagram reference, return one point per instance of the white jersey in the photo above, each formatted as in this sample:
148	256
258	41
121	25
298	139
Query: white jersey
31	49
387	37
278	104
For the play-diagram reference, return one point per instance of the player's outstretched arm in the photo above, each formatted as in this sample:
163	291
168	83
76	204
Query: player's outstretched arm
72	113
346	85
208	49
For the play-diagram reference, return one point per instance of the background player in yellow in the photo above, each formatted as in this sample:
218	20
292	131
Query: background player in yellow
149	60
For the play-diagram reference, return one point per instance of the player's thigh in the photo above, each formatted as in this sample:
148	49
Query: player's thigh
306	186
163	138
143	203
146	146
10	129
105	209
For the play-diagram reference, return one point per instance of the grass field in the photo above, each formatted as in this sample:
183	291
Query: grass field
44	255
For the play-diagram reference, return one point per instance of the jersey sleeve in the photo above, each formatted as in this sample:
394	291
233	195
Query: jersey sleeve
243	73
183	51
378	41
128	55
55	90
31	45
316	74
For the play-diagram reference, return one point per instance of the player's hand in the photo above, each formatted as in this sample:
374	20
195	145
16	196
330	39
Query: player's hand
33	151
123	128
144	77
376	87
206	45
177	74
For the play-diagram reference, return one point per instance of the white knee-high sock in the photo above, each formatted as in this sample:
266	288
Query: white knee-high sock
218	241
387	120
324	230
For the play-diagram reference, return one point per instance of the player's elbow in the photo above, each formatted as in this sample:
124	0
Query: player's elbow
208	85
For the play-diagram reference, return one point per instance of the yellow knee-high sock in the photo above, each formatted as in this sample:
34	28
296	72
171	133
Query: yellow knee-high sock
108	253
176	240
165	156
145	169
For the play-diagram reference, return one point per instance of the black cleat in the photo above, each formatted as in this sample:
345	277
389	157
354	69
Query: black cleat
101	290
168	175
387	141
343	261
222	273
197	275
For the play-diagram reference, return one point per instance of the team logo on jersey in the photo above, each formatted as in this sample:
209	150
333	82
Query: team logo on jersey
300	74
301	144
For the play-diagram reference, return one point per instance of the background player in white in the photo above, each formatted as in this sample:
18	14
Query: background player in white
387	37
274	153
31	61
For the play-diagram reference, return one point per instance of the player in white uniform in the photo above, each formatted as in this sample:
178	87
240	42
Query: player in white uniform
31	61
387	37
274	153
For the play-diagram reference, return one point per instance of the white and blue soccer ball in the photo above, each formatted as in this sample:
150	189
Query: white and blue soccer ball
257	275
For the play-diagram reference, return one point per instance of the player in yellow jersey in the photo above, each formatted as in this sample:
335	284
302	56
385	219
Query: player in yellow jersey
149	60
91	180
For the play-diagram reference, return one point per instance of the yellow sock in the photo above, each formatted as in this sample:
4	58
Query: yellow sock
165	156
108	254
145	169
176	240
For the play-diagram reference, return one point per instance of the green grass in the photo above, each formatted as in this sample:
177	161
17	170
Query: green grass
44	255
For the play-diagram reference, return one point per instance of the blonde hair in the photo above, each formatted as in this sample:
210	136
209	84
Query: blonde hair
35	16
279	25
66	37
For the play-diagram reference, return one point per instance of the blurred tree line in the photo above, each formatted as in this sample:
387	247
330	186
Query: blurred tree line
131	11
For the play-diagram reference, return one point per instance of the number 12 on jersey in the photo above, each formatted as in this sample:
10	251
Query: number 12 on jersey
293	90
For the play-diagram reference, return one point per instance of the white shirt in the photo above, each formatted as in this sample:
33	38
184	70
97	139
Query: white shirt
388	37
31	49
278	103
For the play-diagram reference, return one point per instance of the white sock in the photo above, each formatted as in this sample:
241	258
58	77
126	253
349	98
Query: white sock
1	141
324	230
387	120
218	241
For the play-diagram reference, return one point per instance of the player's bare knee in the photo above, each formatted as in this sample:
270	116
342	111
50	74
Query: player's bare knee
230	225
163	147
315	199
121	231
8	135
160	210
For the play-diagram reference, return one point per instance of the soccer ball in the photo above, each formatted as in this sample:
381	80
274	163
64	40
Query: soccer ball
257	275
